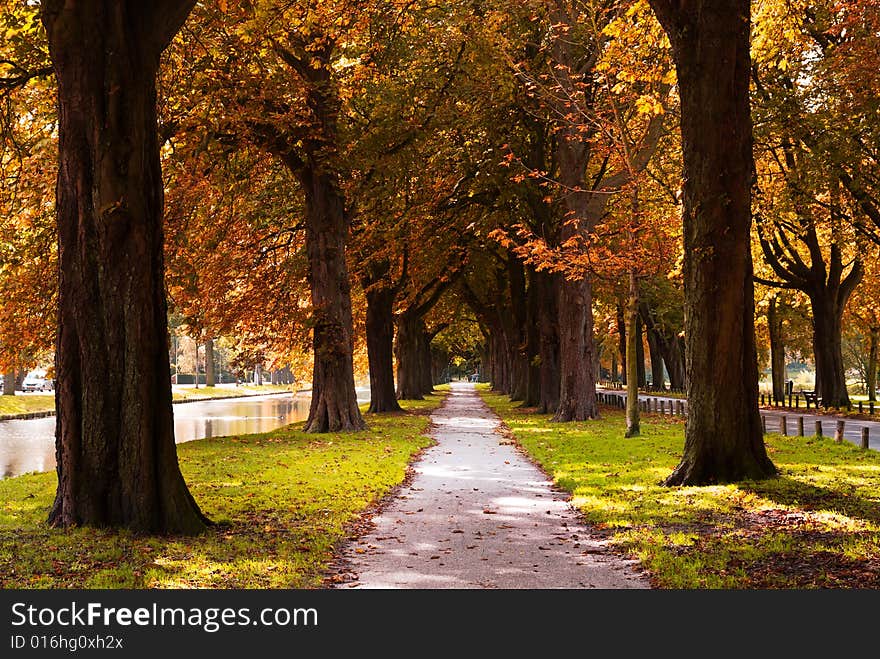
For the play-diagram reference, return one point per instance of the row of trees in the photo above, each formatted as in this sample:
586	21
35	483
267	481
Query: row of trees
417	180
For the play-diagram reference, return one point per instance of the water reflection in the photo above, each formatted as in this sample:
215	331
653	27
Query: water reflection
29	444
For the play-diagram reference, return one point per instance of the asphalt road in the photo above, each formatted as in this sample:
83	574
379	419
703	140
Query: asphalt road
852	427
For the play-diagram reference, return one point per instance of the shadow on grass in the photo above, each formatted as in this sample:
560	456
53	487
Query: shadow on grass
806	496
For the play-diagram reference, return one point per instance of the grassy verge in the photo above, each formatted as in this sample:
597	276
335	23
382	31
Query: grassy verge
816	526
46	402
205	393
26	404
282	500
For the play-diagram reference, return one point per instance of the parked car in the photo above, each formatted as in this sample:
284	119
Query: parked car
36	384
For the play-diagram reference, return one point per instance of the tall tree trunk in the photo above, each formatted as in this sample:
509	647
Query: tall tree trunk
873	345
640	355
549	342
533	343
519	359
777	350
115	451
9	383
196	363
334	404
621	340
673	356
633	338
614	366
426	367
577	390
410	329
210	372
657	375
380	349
828	350
723	439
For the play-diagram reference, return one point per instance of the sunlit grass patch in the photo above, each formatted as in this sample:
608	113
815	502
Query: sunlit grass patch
282	501
816	525
25	404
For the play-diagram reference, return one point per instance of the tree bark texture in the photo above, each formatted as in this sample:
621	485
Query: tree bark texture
548	326
633	338
380	349
723	439
334	405
210	371
9	384
828	349
873	346
657	373
777	350
116	456
410	332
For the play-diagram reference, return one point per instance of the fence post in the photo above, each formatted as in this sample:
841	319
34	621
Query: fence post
679	408
838	436
783	425
860	407
818	427
800	426
662	406
764	424
865	431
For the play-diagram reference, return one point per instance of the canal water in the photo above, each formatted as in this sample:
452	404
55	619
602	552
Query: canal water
28	445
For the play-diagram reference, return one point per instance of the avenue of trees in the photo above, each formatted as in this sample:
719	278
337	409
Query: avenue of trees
554	191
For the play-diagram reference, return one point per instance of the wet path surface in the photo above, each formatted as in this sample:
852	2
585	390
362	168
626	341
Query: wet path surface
478	514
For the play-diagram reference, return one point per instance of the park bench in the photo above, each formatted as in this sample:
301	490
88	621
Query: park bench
811	397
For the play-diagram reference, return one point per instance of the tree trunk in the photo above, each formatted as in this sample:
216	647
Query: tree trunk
873	345
9	384
828	351
777	350
334	404
533	343
640	355
621	341
210	372
657	376
115	451
410	328
196	363
723	439
673	356
519	359
380	349
633	339
577	390
426	367
549	342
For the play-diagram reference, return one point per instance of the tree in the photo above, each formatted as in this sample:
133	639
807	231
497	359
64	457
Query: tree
117	461
723	437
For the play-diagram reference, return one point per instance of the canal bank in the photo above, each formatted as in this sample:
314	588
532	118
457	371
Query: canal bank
28	445
192	396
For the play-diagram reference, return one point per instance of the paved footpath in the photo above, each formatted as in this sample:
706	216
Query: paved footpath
478	514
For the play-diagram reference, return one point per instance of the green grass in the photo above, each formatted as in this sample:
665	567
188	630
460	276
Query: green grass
46	402
203	393
816	526
282	501
26	404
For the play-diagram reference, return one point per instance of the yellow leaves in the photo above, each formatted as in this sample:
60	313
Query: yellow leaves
649	105
223	6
